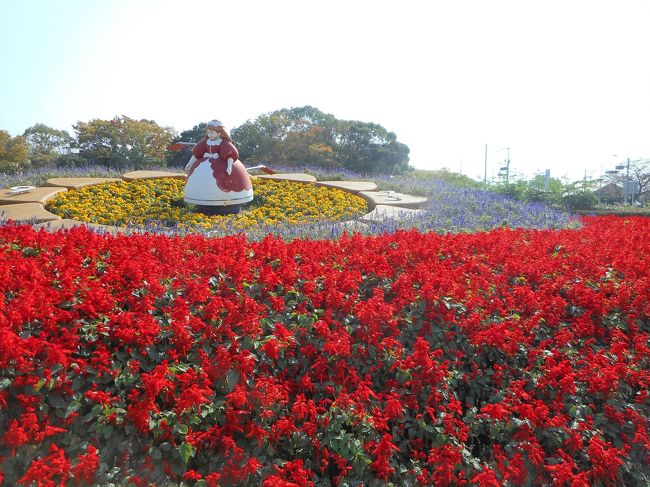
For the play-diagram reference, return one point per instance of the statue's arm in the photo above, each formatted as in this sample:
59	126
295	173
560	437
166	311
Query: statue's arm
192	160
230	153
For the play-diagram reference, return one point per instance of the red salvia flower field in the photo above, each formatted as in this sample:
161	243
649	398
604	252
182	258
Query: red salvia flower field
512	357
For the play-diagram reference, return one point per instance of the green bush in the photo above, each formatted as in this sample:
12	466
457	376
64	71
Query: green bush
582	200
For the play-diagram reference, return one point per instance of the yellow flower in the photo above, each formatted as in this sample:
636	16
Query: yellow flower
160	201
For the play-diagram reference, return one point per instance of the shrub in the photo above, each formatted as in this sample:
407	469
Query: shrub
581	200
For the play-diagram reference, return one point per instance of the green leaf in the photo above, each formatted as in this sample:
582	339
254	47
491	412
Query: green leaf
155	453
179	368
154	354
107	431
186	451
181	429
39	385
72	407
57	401
78	383
232	378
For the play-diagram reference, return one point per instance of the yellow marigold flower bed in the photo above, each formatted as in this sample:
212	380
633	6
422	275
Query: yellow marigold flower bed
160	202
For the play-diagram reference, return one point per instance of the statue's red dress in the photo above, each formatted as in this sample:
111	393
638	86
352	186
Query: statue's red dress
237	180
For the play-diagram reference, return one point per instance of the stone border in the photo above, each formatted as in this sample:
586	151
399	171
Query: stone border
392	198
382	213
133	175
36	195
28	207
349	186
296	177
27	213
76	183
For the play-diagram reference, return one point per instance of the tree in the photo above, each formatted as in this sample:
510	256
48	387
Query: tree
368	147
181	157
290	136
515	189
123	141
250	140
580	199
639	173
307	147
305	135
14	153
545	190
260	141
46	144
70	160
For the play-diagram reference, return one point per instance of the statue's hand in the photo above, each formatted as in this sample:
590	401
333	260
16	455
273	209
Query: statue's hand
229	168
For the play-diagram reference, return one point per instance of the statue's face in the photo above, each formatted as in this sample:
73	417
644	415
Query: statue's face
212	134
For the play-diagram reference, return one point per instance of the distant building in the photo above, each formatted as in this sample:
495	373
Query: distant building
610	193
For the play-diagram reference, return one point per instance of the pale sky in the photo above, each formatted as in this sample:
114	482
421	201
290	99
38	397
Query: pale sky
564	84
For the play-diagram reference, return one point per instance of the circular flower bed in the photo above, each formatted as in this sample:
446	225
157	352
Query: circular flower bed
160	202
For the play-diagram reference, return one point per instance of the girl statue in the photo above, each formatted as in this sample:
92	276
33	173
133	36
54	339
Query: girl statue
217	181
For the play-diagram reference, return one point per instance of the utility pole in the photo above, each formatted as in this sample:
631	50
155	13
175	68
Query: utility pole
506	168
629	187
502	169
627	182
